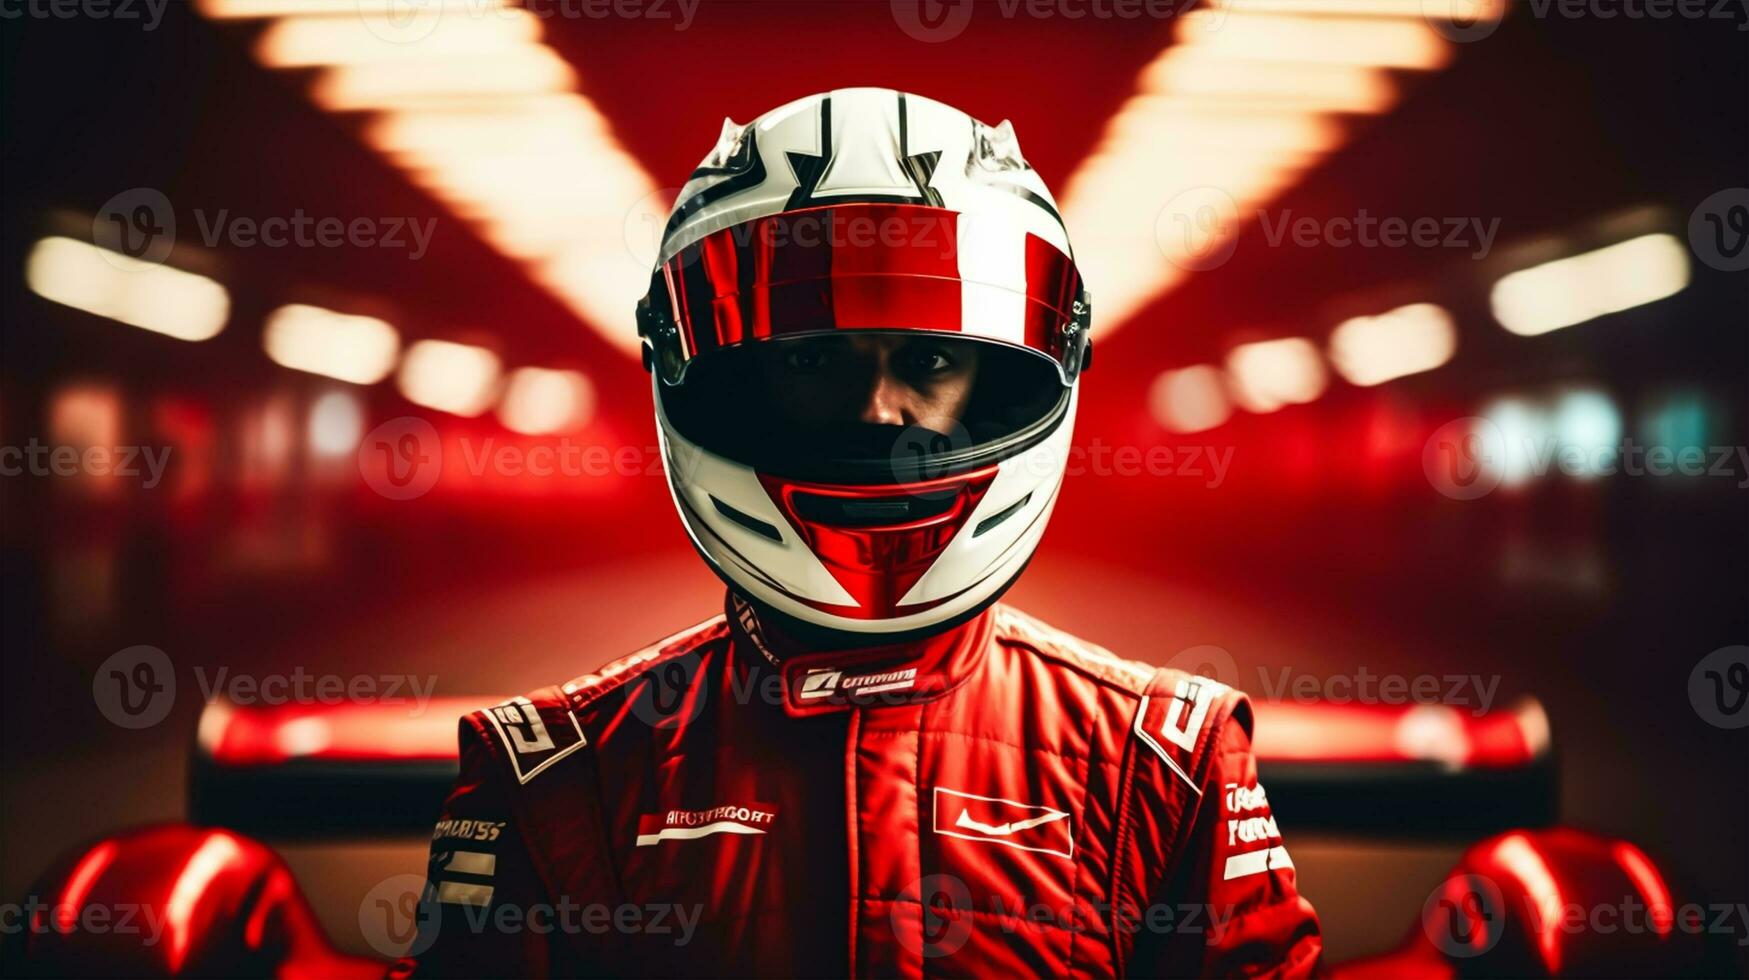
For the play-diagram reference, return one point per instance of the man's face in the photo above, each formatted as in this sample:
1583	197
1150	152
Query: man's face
848	380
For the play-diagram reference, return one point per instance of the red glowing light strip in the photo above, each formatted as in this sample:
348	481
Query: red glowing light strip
1661	910
1322	732
79	883
258	736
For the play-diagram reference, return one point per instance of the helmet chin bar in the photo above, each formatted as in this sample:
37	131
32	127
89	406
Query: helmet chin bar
825	638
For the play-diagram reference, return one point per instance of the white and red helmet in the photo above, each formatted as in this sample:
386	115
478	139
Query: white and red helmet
866	210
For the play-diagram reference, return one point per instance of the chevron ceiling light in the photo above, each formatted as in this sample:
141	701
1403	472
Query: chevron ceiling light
465	98
1251	96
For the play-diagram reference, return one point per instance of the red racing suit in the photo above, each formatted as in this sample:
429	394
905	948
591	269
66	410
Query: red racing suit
1000	799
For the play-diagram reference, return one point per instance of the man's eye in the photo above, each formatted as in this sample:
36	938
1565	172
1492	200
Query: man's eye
931	362
805	359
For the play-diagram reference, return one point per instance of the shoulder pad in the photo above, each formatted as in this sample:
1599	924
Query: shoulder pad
1014	626
531	732
589	687
1180	715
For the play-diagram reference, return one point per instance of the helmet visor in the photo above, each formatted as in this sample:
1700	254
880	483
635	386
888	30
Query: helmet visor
867	407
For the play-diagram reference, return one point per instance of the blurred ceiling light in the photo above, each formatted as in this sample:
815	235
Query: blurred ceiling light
356	349
529	70
228	9
1680	419
1207	123
85	414
1514	433
1269	374
478	112
1586	420
336	424
1459	11
141	294
538	401
1583	287
1371	350
1255	84
1189	400
542	124
460	379
1402	42
1244	100
454	31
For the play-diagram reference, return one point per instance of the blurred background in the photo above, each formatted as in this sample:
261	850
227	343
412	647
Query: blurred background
1412	321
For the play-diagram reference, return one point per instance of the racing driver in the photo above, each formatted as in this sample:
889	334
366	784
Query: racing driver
865	332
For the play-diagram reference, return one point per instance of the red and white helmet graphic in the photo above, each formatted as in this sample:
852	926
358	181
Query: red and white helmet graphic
865	211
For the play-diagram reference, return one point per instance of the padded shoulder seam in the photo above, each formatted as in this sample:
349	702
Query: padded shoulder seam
1088	659
585	689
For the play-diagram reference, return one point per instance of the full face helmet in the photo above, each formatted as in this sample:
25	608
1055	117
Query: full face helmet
849	222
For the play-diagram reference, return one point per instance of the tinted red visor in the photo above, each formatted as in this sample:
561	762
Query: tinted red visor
870	267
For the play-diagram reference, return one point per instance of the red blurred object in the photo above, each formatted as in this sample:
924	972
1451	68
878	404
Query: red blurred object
1549	903
174	901
229	907
1327	732
351	732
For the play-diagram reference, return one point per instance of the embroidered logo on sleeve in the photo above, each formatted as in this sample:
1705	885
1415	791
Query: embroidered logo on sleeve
464	877
1188	709
533	745
1186	714
1250	824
